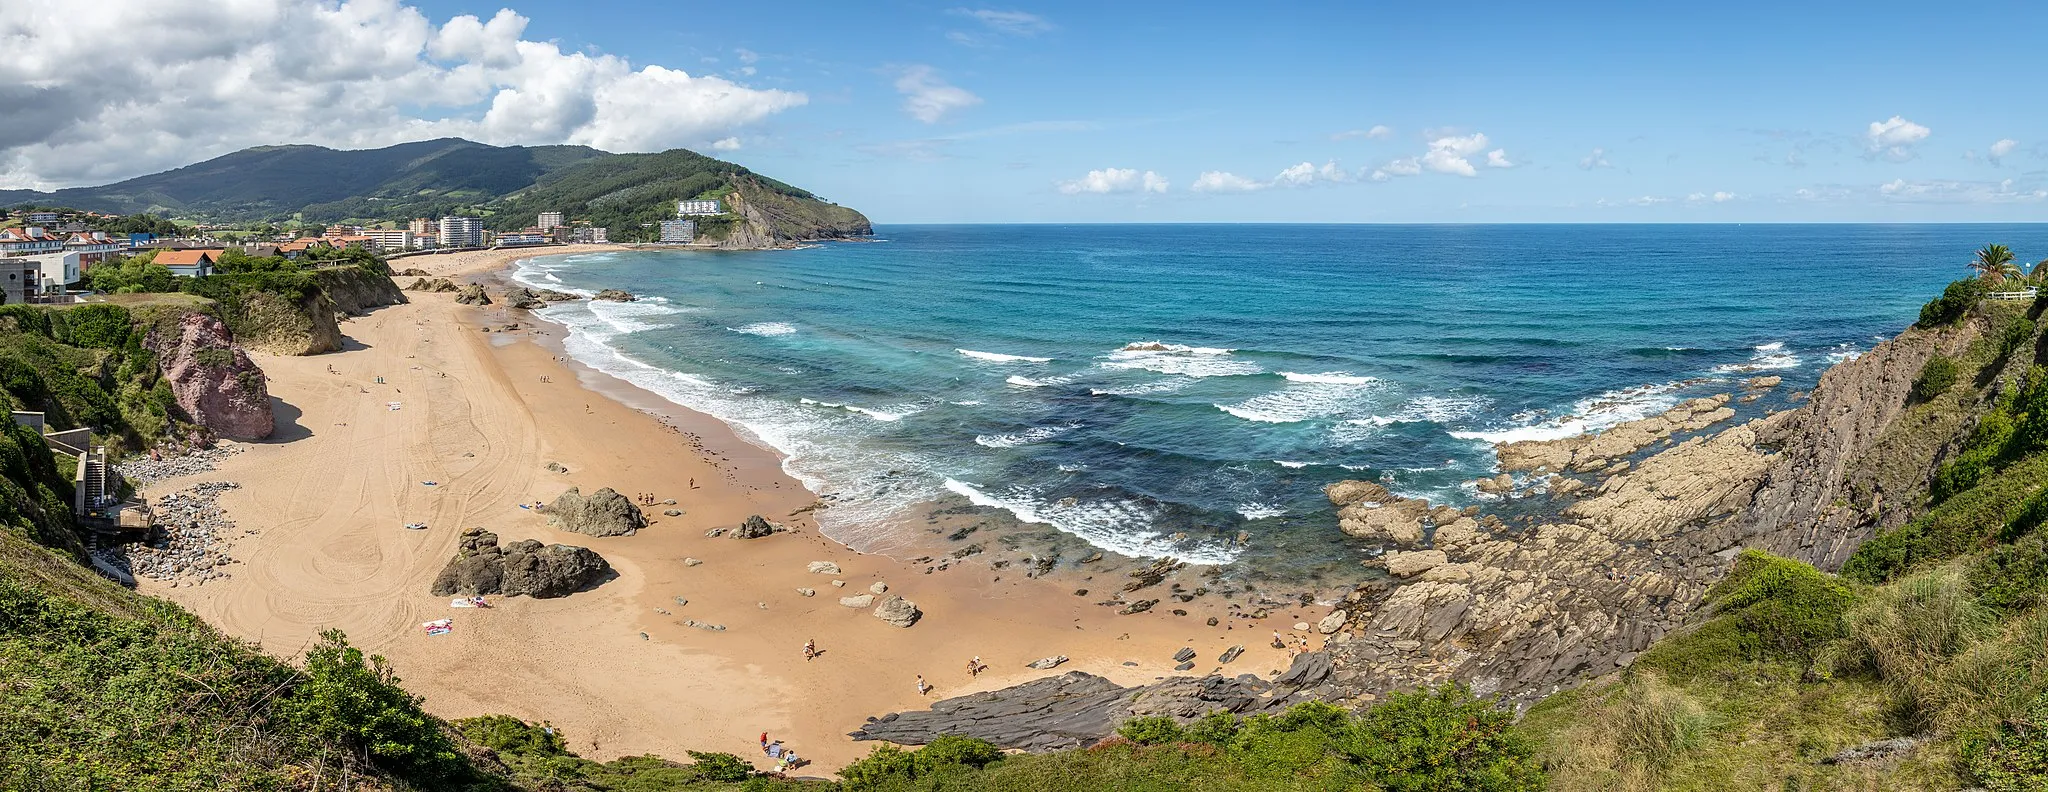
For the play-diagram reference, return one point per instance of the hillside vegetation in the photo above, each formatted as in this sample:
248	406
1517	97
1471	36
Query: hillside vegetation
1923	666
508	186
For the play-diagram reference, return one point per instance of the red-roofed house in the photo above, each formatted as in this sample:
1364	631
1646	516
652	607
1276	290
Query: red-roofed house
92	247
29	241
188	263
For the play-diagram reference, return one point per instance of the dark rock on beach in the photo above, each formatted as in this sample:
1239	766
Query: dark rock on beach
526	568
602	513
615	295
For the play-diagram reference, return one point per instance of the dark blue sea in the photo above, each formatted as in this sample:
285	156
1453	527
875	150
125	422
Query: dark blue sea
1125	383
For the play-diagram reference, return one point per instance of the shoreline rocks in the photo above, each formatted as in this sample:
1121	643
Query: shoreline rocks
525	568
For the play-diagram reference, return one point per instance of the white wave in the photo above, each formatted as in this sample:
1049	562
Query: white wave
1766	357
630	317
879	415
1333	378
1143	388
1038	434
1178	359
1591	414
1122	527
998	357
968	403
765	329
1431	409
1303	401
1022	381
1260	511
1286	464
1843	353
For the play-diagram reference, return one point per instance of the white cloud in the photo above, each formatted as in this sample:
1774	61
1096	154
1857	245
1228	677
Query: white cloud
1015	23
1115	180
1498	158
726	144
1998	150
1597	159
1377	132
1958	192
1894	139
228	75
746	55
1447	154
1718	196
929	98
1405	166
1648	200
1221	181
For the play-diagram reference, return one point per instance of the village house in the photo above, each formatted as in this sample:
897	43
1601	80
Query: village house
28	241
188	263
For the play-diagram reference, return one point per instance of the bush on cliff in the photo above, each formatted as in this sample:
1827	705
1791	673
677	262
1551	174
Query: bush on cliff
1936	377
1954	301
1785	607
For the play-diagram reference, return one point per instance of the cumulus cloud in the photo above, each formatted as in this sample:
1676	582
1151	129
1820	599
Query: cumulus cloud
227	75
1998	150
1224	181
1015	23
1597	159
1498	158
1115	180
1447	154
1404	166
1377	132
1894	139
927	97
1718	196
1962	192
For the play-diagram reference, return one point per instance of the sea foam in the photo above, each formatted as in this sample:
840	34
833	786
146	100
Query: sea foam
1123	527
765	329
998	357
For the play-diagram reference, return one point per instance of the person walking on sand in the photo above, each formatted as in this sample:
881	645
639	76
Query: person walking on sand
810	649
922	688
974	666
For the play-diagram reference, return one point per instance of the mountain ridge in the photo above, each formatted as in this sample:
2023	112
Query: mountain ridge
506	185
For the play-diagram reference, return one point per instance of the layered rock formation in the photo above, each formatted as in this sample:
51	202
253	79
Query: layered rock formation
602	513
215	384
1076	708
770	219
310	325
525	568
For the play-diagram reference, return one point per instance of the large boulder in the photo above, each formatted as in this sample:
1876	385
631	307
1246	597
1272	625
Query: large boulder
526	568
754	527
473	295
522	297
615	295
898	611
212	380
433	285
602	513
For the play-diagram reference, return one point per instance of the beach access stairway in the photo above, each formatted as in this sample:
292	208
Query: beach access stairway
95	490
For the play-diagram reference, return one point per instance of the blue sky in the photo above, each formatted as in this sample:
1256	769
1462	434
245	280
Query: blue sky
1115	112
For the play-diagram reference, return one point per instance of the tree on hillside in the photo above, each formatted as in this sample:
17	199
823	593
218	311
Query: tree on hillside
1994	263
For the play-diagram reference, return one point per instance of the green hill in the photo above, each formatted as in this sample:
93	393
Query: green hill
507	185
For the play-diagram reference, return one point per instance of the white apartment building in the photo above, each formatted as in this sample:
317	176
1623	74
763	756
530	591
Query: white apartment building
678	230
461	232
550	221
687	208
393	240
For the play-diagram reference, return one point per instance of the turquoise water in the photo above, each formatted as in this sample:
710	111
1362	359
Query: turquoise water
1127	383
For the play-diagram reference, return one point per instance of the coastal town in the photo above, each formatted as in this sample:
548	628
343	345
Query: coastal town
46	254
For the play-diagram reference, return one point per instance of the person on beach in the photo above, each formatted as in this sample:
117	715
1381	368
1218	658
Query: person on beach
764	742
922	688
974	666
810	649
1278	642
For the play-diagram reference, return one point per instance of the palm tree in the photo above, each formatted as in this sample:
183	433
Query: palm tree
1994	263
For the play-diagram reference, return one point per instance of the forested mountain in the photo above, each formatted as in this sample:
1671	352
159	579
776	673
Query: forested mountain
509	186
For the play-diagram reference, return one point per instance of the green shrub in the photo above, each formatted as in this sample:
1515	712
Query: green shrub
2019	330
1936	377
948	750
1954	301
1789	607
357	701
1217	728
884	764
2012	756
97	326
2012	577
1443	740
712	766
1907	632
1150	730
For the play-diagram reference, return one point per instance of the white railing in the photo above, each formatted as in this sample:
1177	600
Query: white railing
2023	294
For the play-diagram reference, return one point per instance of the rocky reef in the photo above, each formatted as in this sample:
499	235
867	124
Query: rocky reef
212	380
525	568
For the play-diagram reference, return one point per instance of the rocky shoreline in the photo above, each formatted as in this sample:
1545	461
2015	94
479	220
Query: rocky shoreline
1644	518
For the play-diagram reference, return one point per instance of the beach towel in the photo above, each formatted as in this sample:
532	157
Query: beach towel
439	626
462	602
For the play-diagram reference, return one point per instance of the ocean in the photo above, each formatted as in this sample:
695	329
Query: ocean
1158	389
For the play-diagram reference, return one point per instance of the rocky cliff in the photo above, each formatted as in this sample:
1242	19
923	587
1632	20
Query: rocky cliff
279	324
213	381
770	219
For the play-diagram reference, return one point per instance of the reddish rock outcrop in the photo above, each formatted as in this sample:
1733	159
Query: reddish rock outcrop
214	382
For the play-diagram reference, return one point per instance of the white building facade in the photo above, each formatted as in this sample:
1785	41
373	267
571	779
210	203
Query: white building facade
461	232
550	221
687	208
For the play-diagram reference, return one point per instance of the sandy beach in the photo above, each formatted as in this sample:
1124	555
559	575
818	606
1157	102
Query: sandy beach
480	415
